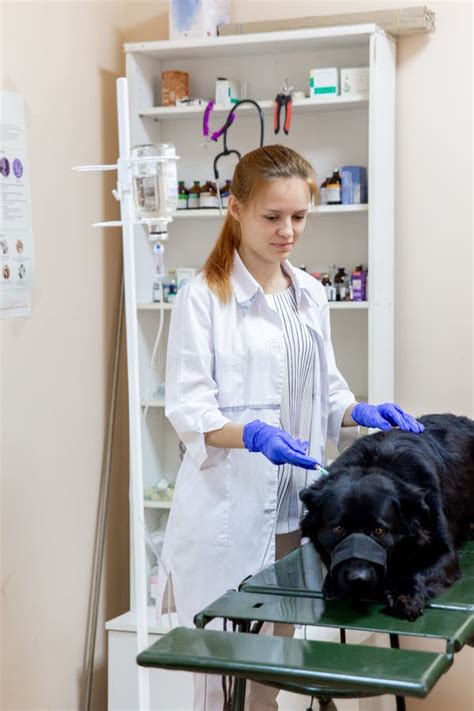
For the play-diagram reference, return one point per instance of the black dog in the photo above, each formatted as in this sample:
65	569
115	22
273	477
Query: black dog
388	518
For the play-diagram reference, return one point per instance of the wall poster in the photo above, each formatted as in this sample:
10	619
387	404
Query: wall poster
16	237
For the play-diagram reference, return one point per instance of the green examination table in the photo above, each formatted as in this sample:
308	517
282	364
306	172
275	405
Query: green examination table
290	591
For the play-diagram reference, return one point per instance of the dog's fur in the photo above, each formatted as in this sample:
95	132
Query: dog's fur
417	488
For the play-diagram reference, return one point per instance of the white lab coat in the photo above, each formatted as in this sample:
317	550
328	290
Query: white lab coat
226	364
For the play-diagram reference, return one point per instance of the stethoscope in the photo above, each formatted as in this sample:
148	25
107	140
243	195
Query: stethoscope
223	132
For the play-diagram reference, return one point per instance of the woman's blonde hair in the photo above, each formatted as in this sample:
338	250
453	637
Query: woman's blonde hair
253	172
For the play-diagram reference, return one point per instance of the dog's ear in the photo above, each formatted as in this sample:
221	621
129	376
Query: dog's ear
312	498
412	505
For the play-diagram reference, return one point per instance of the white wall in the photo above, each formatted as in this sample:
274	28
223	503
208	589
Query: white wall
63	57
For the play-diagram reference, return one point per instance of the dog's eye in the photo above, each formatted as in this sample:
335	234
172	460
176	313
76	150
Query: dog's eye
379	531
340	530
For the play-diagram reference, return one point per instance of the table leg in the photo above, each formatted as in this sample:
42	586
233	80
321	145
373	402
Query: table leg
238	694
240	684
400	700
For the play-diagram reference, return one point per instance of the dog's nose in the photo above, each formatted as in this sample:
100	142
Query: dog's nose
360	577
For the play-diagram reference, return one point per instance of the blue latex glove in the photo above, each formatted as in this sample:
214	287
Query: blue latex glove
384	416
277	445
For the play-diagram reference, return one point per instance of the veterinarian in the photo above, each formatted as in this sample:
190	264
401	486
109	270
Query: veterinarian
253	391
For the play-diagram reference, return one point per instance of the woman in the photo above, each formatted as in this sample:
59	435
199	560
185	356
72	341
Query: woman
253	390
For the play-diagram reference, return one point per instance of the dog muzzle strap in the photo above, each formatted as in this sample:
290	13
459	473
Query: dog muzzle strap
358	545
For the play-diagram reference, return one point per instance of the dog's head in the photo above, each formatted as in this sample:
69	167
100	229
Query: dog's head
359	519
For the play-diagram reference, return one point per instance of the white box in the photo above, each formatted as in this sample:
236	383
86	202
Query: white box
183	275
227	92
323	81
355	80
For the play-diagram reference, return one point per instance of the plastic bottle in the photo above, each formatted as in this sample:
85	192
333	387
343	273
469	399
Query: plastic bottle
334	189
194	195
182	196
359	284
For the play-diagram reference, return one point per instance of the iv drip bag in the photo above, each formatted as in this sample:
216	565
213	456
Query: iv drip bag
155	184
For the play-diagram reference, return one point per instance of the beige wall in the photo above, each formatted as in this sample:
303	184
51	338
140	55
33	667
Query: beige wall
63	57
55	364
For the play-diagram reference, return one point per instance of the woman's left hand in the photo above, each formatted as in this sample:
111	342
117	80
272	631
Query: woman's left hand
384	417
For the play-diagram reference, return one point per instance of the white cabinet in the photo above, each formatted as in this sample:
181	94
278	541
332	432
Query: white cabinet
330	132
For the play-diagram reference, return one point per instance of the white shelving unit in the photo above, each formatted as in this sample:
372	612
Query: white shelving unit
335	305
321	210
330	132
324	103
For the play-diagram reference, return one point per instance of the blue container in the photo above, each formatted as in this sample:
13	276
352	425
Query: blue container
353	184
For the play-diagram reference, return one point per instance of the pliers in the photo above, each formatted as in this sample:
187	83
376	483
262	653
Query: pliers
283	99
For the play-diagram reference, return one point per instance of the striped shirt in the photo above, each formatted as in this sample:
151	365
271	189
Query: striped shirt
296	404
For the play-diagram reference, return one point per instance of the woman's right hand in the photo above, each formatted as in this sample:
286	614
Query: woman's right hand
277	445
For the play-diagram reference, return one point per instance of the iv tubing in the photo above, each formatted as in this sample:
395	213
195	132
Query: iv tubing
154	365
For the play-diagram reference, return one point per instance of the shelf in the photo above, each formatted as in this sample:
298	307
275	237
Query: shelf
154	305
149	504
351	305
311	39
128	622
339	209
157	306
323	103
321	210
153	402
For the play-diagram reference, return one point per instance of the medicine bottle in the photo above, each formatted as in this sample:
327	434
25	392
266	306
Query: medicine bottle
328	288
340	282
208	197
173	290
182	196
334	189
323	192
194	196
225	192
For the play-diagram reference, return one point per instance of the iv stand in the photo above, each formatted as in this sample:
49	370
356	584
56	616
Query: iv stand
127	211
127	222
